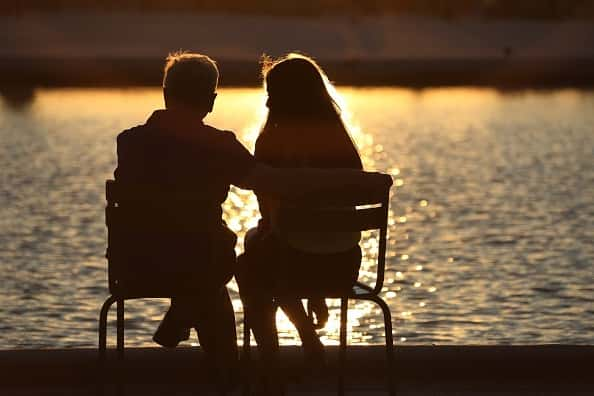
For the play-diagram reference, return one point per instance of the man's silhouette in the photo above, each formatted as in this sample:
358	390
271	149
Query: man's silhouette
175	150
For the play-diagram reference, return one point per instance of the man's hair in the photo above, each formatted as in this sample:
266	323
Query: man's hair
190	77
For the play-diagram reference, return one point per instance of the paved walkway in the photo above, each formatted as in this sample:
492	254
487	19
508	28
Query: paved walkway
419	371
312	390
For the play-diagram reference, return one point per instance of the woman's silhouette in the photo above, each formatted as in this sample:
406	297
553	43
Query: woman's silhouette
303	129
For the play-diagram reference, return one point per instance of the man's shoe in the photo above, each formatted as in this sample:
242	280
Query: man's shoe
168	335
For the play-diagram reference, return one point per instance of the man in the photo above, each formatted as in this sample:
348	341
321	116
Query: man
175	150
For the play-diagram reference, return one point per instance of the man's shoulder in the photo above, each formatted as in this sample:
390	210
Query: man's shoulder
220	133
222	139
130	133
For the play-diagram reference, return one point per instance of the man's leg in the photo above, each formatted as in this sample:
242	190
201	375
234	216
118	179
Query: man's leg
215	325
175	326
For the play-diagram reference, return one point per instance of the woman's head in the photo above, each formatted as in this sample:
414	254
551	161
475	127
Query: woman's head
297	86
303	118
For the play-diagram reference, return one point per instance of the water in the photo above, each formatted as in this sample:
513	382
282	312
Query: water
491	223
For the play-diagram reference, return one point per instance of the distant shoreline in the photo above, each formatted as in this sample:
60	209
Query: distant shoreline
136	72
446	10
124	48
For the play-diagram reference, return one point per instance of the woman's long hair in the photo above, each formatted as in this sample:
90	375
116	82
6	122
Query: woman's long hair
304	126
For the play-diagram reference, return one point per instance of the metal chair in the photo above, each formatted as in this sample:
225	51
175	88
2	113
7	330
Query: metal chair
319	213
140	210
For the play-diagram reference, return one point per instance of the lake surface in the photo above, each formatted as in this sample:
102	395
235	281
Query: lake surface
491	236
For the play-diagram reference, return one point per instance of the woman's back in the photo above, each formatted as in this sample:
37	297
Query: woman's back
319	144
303	129
305	144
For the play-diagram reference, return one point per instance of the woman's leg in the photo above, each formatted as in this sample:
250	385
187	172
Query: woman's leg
261	313
258	305
253	289
319	307
262	320
294	310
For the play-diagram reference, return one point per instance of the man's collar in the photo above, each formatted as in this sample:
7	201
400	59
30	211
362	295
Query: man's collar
174	120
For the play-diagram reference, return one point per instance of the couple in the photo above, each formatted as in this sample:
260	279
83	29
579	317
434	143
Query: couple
303	146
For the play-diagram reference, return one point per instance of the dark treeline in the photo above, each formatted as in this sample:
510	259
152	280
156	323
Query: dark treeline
541	9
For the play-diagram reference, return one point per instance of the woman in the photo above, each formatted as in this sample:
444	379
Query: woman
303	129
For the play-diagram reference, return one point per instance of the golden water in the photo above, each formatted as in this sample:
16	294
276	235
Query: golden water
491	221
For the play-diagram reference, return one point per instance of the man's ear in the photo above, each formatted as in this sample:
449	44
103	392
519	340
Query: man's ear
211	101
166	97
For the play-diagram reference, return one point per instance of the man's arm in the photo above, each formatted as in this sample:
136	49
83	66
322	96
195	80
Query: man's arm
289	182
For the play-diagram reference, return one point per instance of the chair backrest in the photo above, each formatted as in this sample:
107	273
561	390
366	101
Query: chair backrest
344	210
116	193
145	226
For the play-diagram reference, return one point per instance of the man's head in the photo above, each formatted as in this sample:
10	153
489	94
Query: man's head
190	82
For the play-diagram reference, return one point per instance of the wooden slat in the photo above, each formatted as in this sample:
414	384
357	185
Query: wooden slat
158	220
292	219
119	192
318	211
348	195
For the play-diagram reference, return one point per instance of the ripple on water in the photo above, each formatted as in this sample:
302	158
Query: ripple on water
490	223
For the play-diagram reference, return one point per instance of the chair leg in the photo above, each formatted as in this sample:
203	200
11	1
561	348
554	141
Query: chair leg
310	310
246	355
103	342
120	328
344	305
120	345
389	344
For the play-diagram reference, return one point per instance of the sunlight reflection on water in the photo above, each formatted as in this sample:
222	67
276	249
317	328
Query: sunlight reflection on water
490	223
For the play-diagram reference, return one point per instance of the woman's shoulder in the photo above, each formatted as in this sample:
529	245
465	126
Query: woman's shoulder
268	146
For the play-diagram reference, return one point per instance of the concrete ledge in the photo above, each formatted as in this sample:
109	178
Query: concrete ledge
545	365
